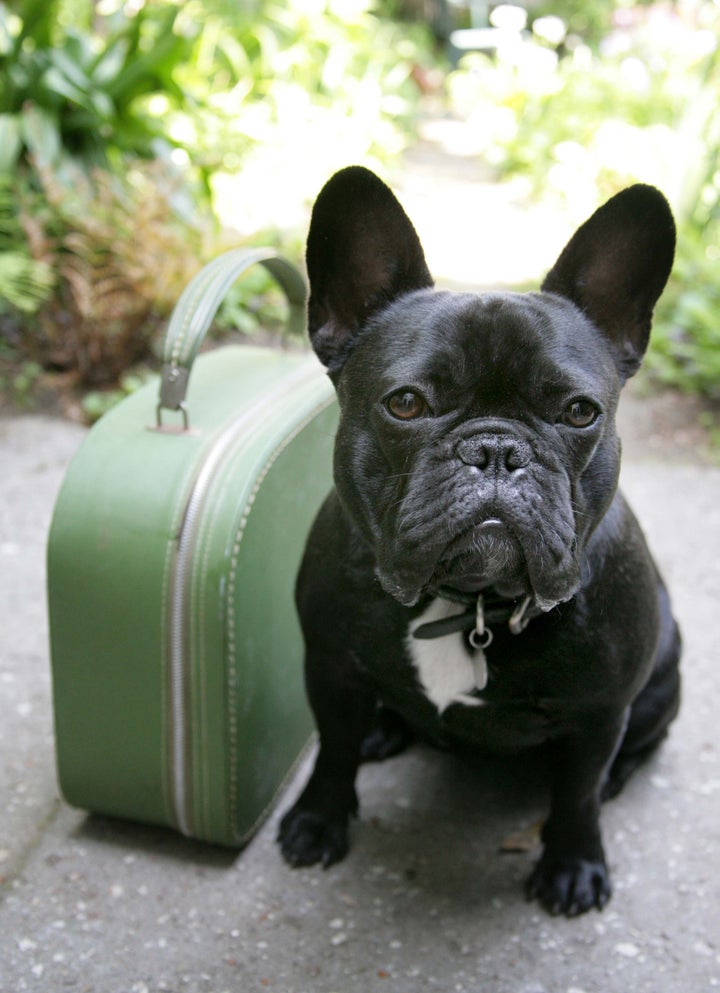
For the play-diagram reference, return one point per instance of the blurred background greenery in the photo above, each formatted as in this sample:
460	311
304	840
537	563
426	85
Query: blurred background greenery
138	138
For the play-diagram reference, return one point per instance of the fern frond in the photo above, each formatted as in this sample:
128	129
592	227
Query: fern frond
24	283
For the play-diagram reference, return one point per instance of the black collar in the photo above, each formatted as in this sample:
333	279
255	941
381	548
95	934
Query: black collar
483	609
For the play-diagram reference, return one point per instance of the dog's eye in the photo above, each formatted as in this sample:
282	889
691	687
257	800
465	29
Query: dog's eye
406	405
580	414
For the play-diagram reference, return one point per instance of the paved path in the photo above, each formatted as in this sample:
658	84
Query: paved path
424	902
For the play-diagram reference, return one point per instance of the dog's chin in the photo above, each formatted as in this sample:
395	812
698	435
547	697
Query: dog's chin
484	557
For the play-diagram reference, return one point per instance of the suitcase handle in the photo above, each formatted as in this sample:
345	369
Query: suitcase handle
197	306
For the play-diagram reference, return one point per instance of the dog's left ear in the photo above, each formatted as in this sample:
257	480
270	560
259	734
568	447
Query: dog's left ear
615	266
362	253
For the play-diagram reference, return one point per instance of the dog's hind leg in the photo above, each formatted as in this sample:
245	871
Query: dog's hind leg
653	710
389	737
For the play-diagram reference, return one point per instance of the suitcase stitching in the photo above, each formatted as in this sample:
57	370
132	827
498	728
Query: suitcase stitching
203	280
231	681
180	762
199	571
176	736
178	515
205	537
224	270
190	313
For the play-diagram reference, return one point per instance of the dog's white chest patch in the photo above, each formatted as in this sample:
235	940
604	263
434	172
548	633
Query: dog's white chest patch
448	673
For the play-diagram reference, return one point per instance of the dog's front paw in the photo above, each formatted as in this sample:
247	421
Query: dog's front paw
307	837
569	886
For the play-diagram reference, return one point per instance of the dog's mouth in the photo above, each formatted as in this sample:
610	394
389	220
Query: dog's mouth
495	554
486	554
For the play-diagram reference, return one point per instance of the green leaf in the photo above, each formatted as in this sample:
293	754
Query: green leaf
39	19
10	141
108	64
24	282
54	81
41	134
70	68
149	70
7	36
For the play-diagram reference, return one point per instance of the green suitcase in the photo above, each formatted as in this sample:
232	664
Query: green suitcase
176	653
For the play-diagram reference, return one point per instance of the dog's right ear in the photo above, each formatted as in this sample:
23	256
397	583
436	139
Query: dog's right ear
362	253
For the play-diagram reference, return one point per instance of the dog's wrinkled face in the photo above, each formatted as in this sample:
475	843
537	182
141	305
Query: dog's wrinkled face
477	445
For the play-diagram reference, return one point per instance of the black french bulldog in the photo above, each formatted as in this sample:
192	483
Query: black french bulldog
476	578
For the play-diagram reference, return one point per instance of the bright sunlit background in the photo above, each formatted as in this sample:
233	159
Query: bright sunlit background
138	139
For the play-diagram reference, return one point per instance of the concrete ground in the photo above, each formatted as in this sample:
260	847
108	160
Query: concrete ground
425	901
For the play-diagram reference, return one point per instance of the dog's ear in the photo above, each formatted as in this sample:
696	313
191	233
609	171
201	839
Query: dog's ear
615	266
362	253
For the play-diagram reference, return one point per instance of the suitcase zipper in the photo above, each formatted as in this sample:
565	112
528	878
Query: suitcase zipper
178	650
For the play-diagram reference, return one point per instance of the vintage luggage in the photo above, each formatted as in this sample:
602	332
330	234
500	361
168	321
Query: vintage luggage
176	653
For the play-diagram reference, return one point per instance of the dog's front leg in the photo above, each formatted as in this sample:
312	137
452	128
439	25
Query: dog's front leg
572	876
315	829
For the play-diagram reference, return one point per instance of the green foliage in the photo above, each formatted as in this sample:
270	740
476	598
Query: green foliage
122	253
24	282
580	127
686	335
591	20
74	107
65	91
315	83
686	341
123	126
213	78
18	383
96	403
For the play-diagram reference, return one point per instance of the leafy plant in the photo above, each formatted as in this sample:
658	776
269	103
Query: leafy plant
686	348
122	255
581	127
18	383
64	91
24	282
591	20
123	249
122	126
96	403
213	79
315	83
686	337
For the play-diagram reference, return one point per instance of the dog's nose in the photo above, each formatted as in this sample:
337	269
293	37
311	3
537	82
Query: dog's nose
494	453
